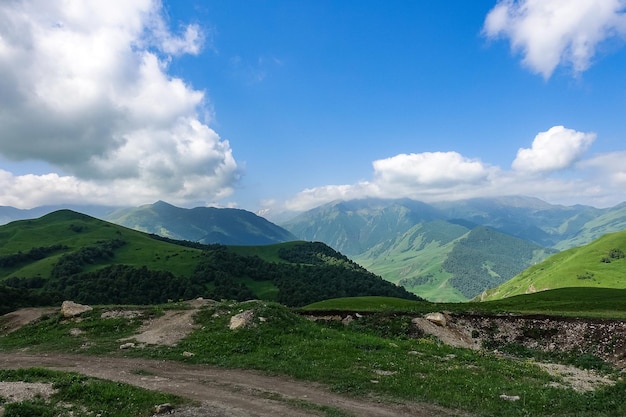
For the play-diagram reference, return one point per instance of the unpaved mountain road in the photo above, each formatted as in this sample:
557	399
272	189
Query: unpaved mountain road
221	392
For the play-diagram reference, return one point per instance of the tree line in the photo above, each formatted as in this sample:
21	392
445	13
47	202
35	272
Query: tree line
312	272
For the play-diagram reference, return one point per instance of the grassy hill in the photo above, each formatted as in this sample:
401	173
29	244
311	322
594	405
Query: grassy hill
68	255
74	231
580	302
599	264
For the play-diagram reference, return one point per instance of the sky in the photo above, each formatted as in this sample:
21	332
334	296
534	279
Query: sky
279	106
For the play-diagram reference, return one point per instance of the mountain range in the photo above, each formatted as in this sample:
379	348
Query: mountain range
448	251
452	251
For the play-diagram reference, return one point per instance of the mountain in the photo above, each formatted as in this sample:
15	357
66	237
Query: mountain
600	264
202	224
69	255
355	226
409	242
443	261
9	214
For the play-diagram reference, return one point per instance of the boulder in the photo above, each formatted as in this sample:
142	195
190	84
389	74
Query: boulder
242	319
437	318
72	309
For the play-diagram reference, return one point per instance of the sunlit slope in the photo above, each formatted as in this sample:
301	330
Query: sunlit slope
415	260
72	231
599	264
447	262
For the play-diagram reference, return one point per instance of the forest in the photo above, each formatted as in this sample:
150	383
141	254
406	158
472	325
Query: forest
310	272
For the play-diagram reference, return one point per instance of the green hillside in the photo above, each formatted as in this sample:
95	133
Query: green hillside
447	262
415	260
68	255
74	231
599	264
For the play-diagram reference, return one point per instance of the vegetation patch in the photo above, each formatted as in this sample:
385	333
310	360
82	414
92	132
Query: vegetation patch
71	394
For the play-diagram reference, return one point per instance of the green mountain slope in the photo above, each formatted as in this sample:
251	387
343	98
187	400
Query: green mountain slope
353	227
68	255
442	261
377	233
598	264
415	260
74	231
202	224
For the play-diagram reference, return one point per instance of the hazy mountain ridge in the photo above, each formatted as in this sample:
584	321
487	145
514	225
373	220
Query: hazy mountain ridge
407	255
202	224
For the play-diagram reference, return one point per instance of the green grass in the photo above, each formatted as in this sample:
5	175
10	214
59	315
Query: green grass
263	290
373	358
577	267
91	334
81	395
583	302
75	231
355	361
363	304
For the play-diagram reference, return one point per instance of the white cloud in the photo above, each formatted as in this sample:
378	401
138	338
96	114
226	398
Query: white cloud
557	148
429	168
84	87
549	33
443	176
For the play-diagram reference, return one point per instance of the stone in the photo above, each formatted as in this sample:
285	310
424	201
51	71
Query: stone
188	354
510	397
163	408
437	318
128	345
71	309
242	319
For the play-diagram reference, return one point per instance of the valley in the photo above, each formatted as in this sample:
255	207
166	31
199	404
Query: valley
538	332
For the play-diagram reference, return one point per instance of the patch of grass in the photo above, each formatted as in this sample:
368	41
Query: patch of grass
371	357
356	361
583	302
88	334
81	395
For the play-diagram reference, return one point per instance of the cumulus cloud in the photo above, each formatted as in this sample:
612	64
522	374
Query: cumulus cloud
84	86
423	176
555	149
429	168
443	176
549	33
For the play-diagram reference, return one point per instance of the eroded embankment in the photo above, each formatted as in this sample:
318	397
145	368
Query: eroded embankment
600	337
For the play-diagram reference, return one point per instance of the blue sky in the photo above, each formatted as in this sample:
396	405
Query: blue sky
277	106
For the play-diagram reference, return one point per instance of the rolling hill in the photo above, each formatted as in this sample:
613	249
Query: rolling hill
202	224
68	255
416	244
599	264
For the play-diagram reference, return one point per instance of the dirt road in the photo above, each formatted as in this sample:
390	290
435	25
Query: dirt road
221	392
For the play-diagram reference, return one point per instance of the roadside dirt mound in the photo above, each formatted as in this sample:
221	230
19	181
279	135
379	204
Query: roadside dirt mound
171	327
15	320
